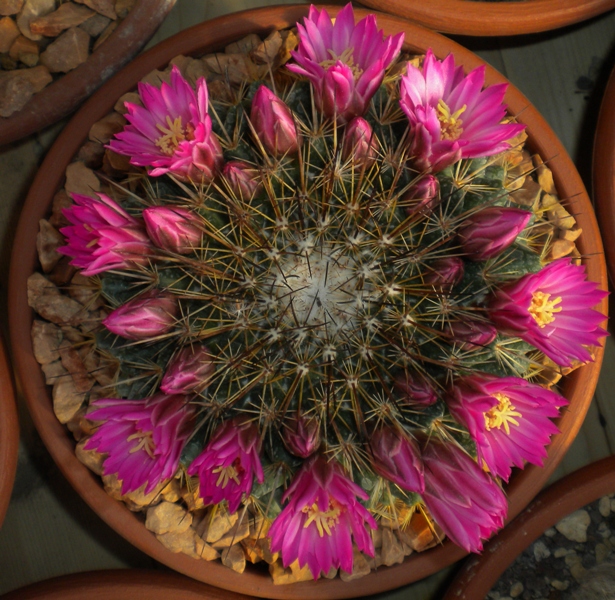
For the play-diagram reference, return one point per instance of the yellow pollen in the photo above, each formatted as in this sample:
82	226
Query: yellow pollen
501	414
226	474
146	442
325	520
347	58
173	134
542	309
450	124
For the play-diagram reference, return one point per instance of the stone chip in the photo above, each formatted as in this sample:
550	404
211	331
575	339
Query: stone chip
167	517
9	32
574	526
53	24
67	52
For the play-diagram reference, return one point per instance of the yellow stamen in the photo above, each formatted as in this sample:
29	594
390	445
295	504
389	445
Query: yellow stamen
146	442
173	134
501	414
347	58
542	309
226	474
450	124
324	520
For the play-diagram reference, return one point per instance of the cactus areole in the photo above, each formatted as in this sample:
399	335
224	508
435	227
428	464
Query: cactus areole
319	315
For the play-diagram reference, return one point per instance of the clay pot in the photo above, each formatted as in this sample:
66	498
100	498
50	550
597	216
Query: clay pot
116	585
471	17
203	38
9	433
604	172
64	95
571	493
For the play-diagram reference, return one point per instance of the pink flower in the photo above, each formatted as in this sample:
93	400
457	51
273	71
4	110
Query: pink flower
243	179
471	335
172	228
146	316
422	195
466	502
488	232
444	273
273	123
143	438
360	142
189	371
171	131
508	418
416	389
301	435
227	466
451	116
344	62
552	310
397	458
321	519
103	236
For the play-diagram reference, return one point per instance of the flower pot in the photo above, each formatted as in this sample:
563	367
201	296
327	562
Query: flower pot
65	94
9	433
571	493
468	17
578	387
604	171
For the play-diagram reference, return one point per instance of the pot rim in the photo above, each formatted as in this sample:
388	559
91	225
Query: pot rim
465	17
218	32
64	95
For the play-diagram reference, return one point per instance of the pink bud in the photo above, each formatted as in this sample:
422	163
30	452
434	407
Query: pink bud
273	123
360	142
444	273
189	371
147	316
243	179
172	228
301	435
421	195
416	389
338	94
487	233
206	157
470	335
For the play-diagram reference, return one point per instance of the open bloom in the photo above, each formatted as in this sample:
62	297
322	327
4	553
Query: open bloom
451	116
552	310
171	131
466	502
146	316
189	371
344	62
143	438
227	466
321	519
103	236
172	228
507	417
273	123
301	435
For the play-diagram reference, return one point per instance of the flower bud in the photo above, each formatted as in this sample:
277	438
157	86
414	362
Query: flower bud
470	335
421	194
243	179
273	123
339	99
445	272
301	436
360	143
172	228
487	233
189	371
147	316
416	389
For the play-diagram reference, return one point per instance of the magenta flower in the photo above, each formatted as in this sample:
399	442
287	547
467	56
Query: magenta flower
360	142
451	116
445	273
146	316
422	195
466	502
508	418
273	123
189	371
142	438
301	435
172	228
103	236
552	310
243	179
416	389
471	335
227	466
488	232
321	519
397	457
171	131
344	62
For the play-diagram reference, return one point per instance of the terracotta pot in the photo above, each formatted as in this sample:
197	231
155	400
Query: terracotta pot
604	172
9	433
571	493
118	585
64	95
198	40
469	17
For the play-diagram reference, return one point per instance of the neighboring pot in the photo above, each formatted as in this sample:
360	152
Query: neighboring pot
64	95
9	432
493	18
604	172
571	493
203	38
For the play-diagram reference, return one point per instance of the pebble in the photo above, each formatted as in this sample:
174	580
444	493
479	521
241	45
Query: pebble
516	589
574	526
550	532
578	571
604	530
560	585
604	506
10	7
561	552
103	7
572	558
9	32
67	52
601	552
67	16
541	551
33	9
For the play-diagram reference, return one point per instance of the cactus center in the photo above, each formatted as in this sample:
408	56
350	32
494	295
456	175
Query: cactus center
542	308
502	414
323	519
172	134
146	442
450	123
229	473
